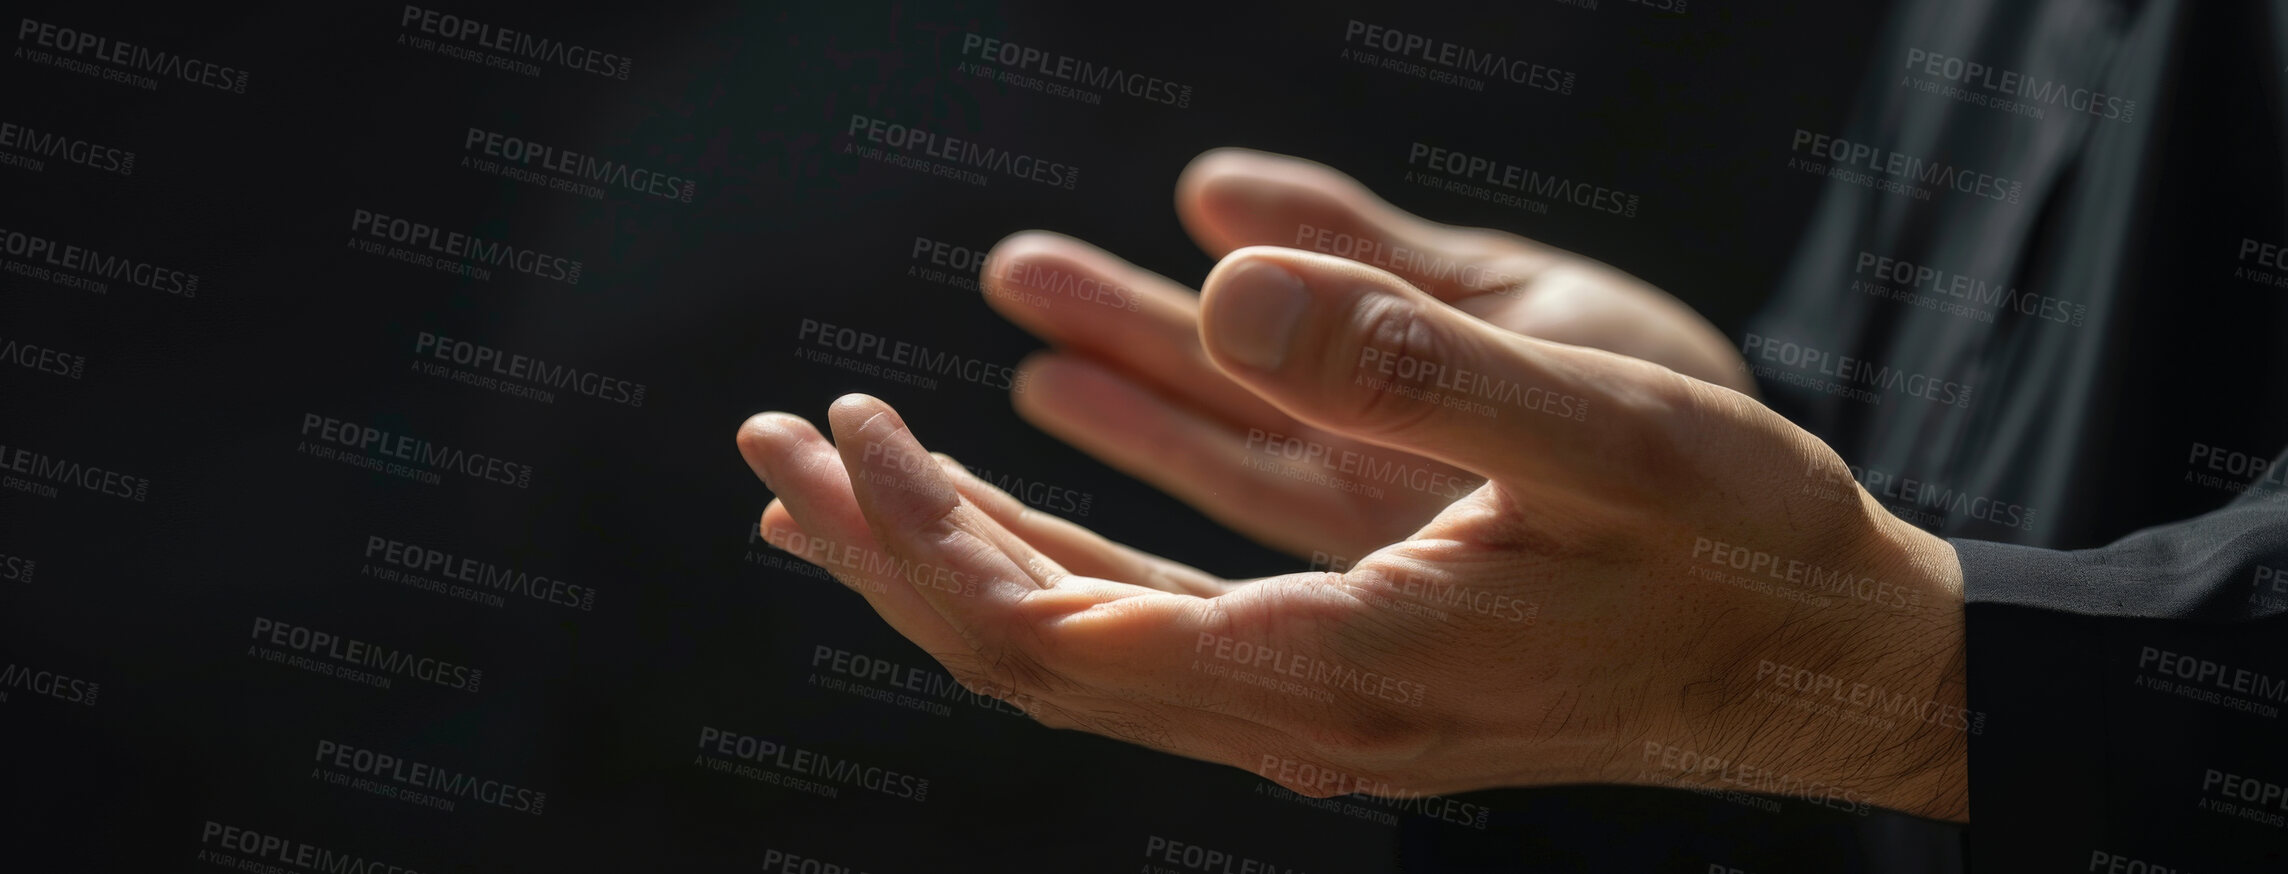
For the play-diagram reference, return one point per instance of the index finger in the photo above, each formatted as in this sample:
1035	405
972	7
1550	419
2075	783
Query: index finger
1233	198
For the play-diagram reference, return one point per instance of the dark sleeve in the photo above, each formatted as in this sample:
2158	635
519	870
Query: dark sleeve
2129	698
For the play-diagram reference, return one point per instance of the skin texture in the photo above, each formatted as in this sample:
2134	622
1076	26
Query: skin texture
1638	574
1131	384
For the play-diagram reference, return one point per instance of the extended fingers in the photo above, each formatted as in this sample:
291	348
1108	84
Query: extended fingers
1137	322
1233	198
817	519
1359	351
1339	496
1275	668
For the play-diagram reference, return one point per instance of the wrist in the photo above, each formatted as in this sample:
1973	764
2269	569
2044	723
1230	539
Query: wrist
1850	702
1874	703
1927	648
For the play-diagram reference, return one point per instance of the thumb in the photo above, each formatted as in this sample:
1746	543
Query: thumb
1358	351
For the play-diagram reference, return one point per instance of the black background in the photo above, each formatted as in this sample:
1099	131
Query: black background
695	623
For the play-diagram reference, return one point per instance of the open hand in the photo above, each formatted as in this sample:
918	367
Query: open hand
1129	383
1612	604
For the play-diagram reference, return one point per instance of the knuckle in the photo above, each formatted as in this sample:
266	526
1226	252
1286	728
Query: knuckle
936	522
1391	357
1662	404
1372	740
1657	423
1672	395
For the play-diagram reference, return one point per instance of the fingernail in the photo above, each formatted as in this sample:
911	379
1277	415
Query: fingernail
1261	305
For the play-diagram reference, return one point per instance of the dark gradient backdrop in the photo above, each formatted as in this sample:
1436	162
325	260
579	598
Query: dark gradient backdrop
183	723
